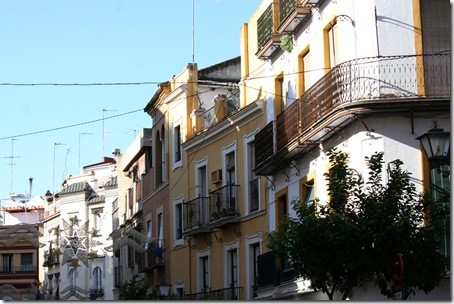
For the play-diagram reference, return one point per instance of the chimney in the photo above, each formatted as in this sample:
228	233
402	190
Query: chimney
220	107
197	120
30	179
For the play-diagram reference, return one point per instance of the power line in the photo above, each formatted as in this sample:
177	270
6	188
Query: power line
78	84
142	82
70	126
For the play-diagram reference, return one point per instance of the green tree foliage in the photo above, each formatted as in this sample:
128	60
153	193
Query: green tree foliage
359	236
133	290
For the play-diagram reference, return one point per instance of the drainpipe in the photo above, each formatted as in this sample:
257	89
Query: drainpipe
376	31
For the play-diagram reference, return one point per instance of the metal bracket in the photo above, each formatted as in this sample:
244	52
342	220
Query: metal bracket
345	17
294	166
288	177
273	185
364	124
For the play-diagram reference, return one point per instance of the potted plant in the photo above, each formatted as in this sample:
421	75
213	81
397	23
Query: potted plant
287	43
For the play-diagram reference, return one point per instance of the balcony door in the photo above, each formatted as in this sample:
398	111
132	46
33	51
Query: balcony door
7	262
202	193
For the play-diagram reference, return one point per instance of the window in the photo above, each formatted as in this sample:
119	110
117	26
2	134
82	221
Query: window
201	190
160	156
177	145
178	221
149	229
131	253
160	230
232	273
253	180
281	207
163	155
7	260
26	261
332	45
97	278
279	100
96	220
149	159
307	77
229	178
254	252
204	271
308	192
230	168
72	277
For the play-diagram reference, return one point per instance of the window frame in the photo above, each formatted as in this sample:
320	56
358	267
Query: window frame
249	140
177	145
178	239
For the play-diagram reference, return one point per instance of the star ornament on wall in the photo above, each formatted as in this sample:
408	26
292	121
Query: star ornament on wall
76	241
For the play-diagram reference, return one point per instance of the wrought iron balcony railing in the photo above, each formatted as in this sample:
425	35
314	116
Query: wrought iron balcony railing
231	293
195	216
22	269
268	40
357	84
292	14
154	255
271	272
224	205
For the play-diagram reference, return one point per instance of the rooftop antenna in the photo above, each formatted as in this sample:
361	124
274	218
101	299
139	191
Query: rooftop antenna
193	28
12	157
65	168
82	133
53	174
103	130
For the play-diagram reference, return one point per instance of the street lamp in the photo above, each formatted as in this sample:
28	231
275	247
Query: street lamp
164	289
436	144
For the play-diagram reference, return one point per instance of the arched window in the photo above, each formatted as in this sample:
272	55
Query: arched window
97	278
72	277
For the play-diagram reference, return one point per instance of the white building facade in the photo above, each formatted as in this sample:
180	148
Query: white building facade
78	254
363	76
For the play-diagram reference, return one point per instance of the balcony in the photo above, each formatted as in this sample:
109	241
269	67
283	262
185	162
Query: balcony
292	15
267	37
95	293
22	269
272	276
231	293
224	206
354	88
195	216
154	255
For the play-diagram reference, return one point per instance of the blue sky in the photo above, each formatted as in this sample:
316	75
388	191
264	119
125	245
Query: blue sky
84	42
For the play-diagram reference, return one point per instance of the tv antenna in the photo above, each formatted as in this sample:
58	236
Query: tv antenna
12	163
103	130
